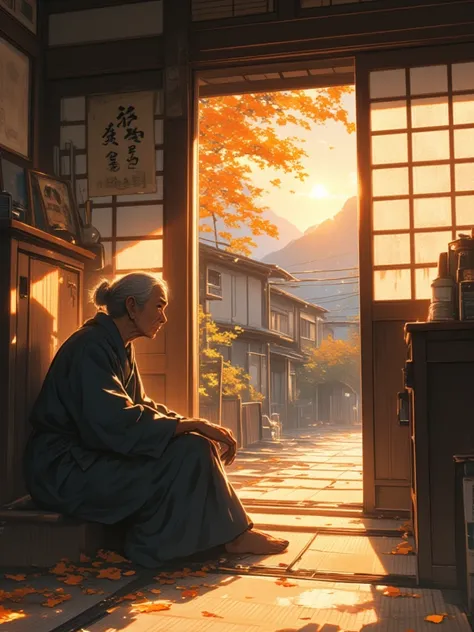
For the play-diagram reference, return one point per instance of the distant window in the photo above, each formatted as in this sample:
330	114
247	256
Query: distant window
307	329
280	321
214	283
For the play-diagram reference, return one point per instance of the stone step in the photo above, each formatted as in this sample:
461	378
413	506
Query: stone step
30	536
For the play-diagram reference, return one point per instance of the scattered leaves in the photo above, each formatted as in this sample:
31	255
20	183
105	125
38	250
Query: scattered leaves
16	578
84	558
92	591
111	556
72	580
151	606
155	591
205	613
189	594
284	582
61	568
129	573
52	602
110	573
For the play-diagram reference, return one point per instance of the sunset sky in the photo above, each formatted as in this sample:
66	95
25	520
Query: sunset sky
332	166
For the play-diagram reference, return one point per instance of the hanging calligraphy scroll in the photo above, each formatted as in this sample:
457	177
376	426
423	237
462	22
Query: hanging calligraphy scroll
121	144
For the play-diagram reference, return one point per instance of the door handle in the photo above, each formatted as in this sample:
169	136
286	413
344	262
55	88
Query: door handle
403	408
73	291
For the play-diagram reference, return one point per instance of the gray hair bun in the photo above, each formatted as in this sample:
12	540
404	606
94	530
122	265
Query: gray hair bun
102	294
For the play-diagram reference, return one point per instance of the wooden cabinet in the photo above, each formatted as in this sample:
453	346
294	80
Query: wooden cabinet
41	285
440	375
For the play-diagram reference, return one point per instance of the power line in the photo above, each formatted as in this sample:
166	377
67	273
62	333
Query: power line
314	280
342	298
323	298
323	271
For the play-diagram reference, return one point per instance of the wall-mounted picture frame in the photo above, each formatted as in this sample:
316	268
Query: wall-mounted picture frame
15	98
54	206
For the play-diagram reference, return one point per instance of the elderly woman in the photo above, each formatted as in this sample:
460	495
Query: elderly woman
101	450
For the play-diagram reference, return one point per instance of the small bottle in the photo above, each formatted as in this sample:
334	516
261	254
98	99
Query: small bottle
443	290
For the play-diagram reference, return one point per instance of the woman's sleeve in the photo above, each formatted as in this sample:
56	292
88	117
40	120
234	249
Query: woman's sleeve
108	419
143	398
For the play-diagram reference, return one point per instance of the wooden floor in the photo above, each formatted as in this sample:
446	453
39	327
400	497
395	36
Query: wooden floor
308	489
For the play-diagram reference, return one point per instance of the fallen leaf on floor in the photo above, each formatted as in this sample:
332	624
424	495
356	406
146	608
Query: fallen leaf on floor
435	618
167	581
61	568
92	591
198	574
97	564
129	573
151	606
205	613
111	557
130	597
16	578
6	616
84	558
283	564
52	602
403	548
155	591
19	593
110	610
248	597
392	592
185	594
110	573
72	580
305	618
285	583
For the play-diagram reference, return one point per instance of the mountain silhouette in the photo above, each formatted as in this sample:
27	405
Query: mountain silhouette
329	246
265	244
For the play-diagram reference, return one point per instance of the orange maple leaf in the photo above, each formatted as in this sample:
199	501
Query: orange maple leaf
189	593
16	578
111	556
151	606
129	573
285	583
435	618
205	613
72	580
109	573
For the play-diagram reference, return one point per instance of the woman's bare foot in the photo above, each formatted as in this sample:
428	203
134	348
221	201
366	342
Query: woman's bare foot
257	543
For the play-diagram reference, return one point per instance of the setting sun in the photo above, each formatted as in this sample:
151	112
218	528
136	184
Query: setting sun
319	191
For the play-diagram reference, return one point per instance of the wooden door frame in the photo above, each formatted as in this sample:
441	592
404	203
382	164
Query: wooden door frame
383	310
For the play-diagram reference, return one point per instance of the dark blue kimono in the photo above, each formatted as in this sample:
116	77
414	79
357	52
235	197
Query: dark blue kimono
102	451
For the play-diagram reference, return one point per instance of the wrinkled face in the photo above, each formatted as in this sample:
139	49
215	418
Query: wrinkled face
150	318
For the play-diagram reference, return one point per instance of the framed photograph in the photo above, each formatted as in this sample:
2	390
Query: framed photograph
54	205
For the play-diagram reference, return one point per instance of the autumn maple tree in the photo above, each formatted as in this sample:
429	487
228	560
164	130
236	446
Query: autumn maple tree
333	361
240	132
235	380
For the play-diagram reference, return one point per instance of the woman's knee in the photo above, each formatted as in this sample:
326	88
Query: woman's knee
195	443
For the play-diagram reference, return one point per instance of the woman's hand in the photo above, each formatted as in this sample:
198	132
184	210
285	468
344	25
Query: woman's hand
213	432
